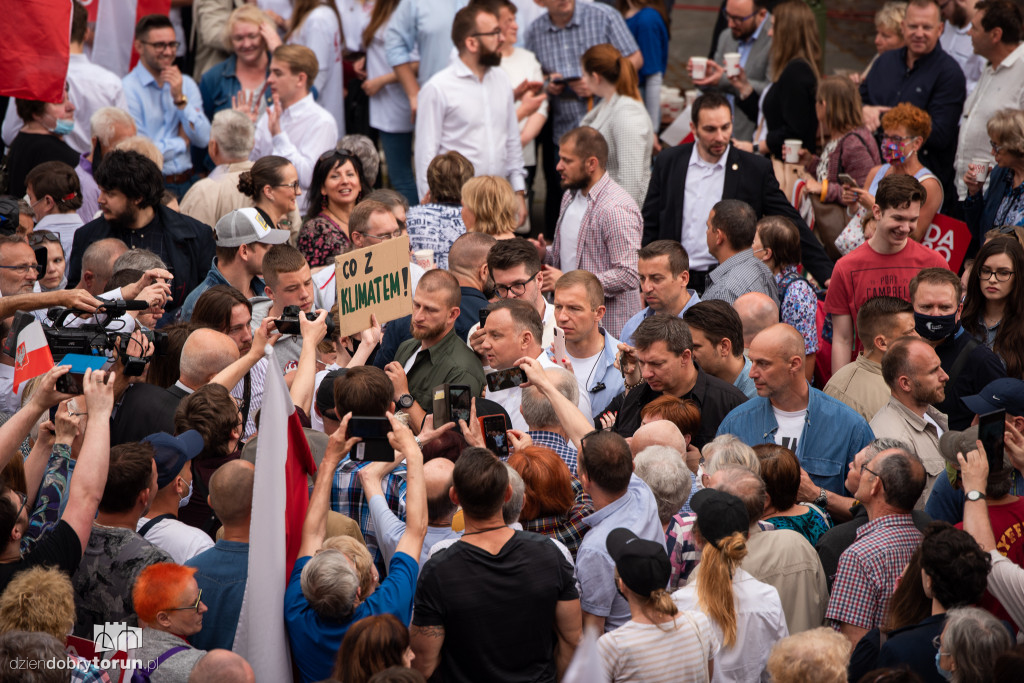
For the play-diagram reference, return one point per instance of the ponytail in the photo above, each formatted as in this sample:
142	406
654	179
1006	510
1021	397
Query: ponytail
628	83
658	604
714	582
608	63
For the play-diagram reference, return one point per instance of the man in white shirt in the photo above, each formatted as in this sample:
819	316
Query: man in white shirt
996	35
295	127
956	39
90	86
469	107
512	331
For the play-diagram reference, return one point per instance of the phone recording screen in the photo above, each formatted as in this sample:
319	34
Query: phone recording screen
461	403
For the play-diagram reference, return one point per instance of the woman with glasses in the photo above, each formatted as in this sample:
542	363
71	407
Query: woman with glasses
170	607
338	185
905	128
55	196
1003	202
994	301
273	186
241	78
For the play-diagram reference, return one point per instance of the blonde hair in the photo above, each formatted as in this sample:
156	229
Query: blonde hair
1006	127
843	107
718	563
359	556
816	656
890	17
249	14
38	599
493	202
145	147
795	37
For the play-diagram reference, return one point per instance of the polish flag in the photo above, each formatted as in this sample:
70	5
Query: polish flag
115	31
283	465
35	35
33	356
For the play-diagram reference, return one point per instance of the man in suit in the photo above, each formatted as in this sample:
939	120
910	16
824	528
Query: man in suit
689	180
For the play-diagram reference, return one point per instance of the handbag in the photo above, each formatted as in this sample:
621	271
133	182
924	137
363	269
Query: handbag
829	222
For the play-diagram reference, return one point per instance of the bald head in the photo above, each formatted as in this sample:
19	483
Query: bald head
222	666
658	433
757	311
468	253
205	353
437	476
231	492
783	340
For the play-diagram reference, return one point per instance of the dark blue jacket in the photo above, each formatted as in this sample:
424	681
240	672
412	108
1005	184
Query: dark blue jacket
980	211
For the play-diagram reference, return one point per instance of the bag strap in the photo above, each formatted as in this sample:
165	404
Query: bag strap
700	639
961	360
164	657
153	522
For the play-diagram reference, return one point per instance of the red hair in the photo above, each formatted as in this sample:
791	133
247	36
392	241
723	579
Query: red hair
547	479
159	587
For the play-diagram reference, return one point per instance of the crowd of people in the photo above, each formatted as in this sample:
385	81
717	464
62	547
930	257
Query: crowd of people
684	420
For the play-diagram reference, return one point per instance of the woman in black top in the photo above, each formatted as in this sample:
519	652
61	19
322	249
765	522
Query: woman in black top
40	139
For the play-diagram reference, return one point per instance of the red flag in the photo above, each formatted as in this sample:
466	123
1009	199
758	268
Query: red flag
33	356
35	35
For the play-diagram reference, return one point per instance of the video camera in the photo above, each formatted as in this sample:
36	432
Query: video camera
288	323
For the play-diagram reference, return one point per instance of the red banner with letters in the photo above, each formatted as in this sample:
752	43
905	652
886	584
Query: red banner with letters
950	238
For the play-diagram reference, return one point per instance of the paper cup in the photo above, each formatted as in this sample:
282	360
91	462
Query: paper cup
691	96
424	258
791	151
732	63
699	66
980	169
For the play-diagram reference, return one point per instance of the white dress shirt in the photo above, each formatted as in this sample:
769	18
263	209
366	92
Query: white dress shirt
704	185
957	43
90	87
511	399
999	88
476	118
523	65
307	131
321	34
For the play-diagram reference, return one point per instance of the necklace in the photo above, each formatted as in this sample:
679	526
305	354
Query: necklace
484	531
327	208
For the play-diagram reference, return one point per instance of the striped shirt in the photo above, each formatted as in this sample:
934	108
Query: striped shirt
659	653
347	497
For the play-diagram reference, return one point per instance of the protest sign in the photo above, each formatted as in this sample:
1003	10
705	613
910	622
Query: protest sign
373	280
950	238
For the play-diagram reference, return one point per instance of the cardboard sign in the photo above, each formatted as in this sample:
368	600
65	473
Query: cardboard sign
373	280
950	238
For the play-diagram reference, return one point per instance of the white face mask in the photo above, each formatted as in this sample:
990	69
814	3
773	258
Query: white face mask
184	501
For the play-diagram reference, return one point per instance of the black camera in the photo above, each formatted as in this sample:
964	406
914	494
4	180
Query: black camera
288	323
95	339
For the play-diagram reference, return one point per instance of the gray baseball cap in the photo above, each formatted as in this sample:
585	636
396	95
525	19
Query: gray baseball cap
245	226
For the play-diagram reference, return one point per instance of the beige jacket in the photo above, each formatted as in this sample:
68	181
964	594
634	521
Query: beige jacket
860	385
896	421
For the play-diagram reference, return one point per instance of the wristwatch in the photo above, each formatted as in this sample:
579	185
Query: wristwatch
181	101
975	495
405	401
822	499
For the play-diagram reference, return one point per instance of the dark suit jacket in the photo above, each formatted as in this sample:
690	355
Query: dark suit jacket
748	177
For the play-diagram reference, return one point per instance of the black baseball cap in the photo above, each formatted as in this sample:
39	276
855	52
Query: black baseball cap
172	452
1003	393
719	515
643	565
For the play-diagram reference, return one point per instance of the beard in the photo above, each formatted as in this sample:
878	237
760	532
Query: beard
426	333
573	184
126	219
490	58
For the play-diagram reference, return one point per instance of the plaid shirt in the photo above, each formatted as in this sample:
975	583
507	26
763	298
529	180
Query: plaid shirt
559	50
607	246
556	442
869	569
739	274
569	528
347	498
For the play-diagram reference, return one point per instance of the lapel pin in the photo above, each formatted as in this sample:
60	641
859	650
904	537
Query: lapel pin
735	167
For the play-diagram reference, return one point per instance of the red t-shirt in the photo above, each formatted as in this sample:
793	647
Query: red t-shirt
864	273
1008	528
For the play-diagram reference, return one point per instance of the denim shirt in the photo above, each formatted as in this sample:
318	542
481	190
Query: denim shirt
214	277
833	434
220	84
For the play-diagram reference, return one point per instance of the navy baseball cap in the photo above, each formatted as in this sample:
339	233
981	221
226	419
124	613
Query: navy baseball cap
1005	393
172	452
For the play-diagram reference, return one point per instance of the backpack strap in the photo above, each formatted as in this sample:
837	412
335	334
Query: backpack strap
144	673
153	522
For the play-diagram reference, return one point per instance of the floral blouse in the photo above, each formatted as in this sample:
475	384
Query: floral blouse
321	239
799	305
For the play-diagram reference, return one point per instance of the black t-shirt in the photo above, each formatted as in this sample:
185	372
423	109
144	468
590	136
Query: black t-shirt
28	150
498	611
59	548
144	409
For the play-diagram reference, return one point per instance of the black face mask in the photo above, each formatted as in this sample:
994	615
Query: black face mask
934	327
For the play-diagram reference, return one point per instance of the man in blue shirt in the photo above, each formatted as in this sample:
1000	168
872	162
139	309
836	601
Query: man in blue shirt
718	343
664	268
165	104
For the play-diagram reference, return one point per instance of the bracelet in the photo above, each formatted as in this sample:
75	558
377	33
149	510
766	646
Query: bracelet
824	189
418	444
630	387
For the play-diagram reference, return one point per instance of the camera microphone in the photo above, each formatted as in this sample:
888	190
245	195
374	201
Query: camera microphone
598	388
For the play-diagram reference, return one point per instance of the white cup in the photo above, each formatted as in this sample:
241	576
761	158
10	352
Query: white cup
699	66
691	96
732	63
791	151
980	169
424	258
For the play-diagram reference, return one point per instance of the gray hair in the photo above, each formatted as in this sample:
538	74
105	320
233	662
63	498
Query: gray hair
104	121
19	647
663	471
536	408
884	443
511	510
725	450
748	487
234	132
138	259
363	148
974	639
330	584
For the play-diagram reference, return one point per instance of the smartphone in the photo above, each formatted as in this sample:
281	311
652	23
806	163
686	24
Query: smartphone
509	378
991	431
495	434
847	179
559	345
452	402
484	312
374	434
566	81
71	383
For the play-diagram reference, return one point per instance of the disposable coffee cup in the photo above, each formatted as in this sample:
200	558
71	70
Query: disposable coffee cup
791	151
424	258
691	96
699	66
980	169
732	63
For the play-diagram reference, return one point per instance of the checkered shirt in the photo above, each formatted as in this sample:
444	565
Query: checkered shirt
347	497
569	528
869	569
556	442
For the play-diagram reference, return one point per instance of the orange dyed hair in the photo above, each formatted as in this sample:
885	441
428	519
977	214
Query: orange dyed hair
548	482
159	587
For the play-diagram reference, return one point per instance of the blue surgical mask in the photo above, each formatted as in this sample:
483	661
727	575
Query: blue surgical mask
184	501
63	127
946	675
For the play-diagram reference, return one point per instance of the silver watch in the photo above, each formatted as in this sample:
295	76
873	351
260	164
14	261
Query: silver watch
822	499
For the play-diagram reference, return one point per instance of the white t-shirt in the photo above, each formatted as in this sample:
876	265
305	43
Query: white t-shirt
181	541
570	227
583	368
938	428
791	427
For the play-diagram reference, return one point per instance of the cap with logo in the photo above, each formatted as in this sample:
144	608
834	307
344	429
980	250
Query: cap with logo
1004	393
246	226
643	565
172	452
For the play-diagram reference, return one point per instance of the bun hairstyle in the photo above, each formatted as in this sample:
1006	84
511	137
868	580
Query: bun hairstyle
266	171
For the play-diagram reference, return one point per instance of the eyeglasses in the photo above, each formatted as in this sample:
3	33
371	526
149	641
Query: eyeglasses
386	236
898	139
161	47
199	600
294	186
37	238
732	18
493	34
583	439
996	148
865	468
24	269
937	644
516	288
1001	275
24	502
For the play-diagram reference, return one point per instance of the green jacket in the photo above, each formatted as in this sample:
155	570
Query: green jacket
449	361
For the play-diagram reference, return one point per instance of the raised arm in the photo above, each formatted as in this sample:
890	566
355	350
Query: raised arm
90	477
315	527
403	441
573	421
233	374
305	375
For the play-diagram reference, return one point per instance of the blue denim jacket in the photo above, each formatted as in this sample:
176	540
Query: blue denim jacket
219	84
833	434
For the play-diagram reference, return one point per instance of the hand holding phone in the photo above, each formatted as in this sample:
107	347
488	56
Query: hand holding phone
374	446
558	347
495	435
847	180
509	378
